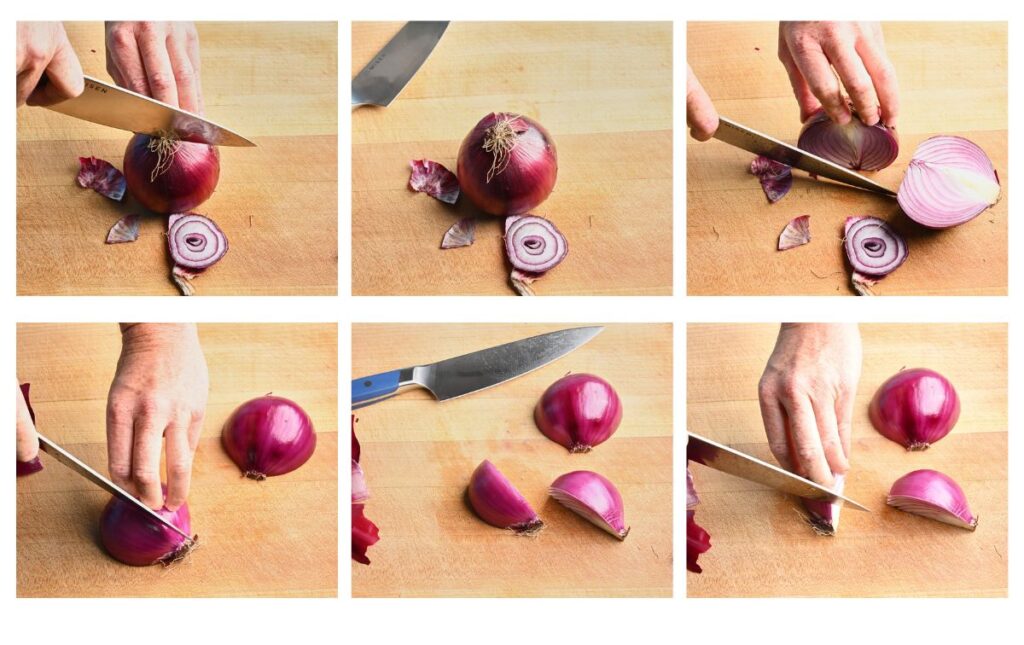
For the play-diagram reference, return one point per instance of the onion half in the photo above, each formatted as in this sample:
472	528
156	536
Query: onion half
915	408
269	436
949	181
134	538
854	145
579	411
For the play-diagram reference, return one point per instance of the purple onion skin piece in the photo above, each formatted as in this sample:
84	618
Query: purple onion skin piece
269	436
915	408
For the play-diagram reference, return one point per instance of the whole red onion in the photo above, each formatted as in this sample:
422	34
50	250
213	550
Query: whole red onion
134	538
170	176
579	411
507	164
269	436
915	408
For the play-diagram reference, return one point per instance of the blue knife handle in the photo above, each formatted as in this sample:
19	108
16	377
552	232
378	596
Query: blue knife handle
377	386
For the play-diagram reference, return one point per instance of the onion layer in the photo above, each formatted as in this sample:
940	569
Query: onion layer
498	503
594	498
579	411
507	164
934	495
854	145
433	179
170	176
915	408
776	178
949	181
124	230
797	233
102	177
133	537
269	436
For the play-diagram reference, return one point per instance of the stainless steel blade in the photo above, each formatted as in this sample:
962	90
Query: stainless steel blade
761	144
486	368
393	67
116	107
83	469
729	460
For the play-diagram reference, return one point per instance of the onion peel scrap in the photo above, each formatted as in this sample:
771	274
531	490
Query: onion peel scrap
797	233
776	178
433	179
125	229
461	233
102	177
364	532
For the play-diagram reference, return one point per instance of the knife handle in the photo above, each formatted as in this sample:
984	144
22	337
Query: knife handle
370	389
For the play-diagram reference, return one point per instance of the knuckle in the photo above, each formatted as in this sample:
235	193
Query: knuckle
121	36
160	82
180	469
144	476
120	471
806	454
184	75
792	388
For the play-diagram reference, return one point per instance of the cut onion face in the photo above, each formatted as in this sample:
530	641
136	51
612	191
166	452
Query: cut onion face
874	250
461	233
534	244
854	145
949	181
124	230
434	179
797	233
102	177
776	178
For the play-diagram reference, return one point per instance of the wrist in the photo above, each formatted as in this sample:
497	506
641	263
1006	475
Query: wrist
157	334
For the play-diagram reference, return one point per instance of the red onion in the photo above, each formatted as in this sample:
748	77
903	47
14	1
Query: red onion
461	233
931	494
507	164
691	492
874	250
533	244
170	176
797	233
915	408
824	516
498	503
195	241
364	532
269	436
854	145
594	498
125	229
102	177
135	538
776	178
579	411
698	541
433	179
949	181
33	465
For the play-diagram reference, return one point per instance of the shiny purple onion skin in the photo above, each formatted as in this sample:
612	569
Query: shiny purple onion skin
187	183
525	183
823	137
269	436
132	537
915	408
579	412
598	495
937	490
497	502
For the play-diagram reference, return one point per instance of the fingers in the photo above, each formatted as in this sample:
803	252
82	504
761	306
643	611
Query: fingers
809	104
28	442
27	82
828	435
120	442
856	80
701	115
883	77
844	420
148	444
157	62
192	50
808	452
124	56
185	77
64	78
813	65
179	464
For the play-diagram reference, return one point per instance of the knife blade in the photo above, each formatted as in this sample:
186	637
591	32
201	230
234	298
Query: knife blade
393	67
455	377
761	144
117	107
729	460
83	469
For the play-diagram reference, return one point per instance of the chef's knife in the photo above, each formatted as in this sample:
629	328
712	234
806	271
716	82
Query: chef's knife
455	377
393	67
761	144
83	469
728	460
116	107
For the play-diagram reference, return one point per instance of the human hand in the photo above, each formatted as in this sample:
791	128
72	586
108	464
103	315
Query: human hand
48	69
159	391
807	393
701	115
810	51
28	441
157	59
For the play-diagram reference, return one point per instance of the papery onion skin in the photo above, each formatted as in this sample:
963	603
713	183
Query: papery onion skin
934	495
269	436
855	146
102	177
132	537
594	498
124	230
915	408
497	502
692	500
579	411
776	178
823	516
797	233
949	181
32	466
187	181
515	187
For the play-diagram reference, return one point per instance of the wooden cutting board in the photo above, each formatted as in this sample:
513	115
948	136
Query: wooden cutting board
953	80
603	90
418	456
271	538
275	83
762	547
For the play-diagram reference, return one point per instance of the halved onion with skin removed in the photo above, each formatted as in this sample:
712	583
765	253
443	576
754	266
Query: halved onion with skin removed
855	146
949	181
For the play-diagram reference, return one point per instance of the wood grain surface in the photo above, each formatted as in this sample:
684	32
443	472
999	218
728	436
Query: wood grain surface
275	83
760	544
953	80
604	92
418	456
271	538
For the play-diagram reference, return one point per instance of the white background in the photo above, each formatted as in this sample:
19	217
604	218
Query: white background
505	621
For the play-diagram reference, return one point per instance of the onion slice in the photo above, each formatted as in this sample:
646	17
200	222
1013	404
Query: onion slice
125	229
102	177
797	233
776	178
949	181
434	179
934	495
874	250
196	243
855	146
534	244
461	233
